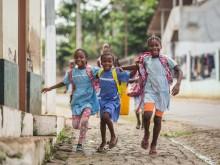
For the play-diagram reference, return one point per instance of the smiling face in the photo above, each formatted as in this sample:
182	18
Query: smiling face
107	61
154	47
80	59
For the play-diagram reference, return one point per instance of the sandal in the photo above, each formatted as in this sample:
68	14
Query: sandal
144	143
138	126
113	144
153	150
101	148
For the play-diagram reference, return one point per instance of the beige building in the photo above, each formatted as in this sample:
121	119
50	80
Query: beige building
21	83
20	54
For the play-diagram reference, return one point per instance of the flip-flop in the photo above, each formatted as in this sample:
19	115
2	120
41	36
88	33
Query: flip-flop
144	143
138	126
101	148
111	145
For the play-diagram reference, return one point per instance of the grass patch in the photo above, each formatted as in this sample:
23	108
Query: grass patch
63	136
175	134
2	157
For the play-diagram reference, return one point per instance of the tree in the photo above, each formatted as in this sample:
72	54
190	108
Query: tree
123	24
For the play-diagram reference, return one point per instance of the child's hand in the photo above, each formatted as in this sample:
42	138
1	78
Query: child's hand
44	90
120	69
175	89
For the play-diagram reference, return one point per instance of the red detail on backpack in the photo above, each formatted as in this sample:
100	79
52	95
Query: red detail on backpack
142	73
164	62
94	80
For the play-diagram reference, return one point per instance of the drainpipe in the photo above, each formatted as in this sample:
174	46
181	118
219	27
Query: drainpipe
50	56
217	64
22	55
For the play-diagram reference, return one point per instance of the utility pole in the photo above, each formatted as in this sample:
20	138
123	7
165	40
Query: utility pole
78	25
50	55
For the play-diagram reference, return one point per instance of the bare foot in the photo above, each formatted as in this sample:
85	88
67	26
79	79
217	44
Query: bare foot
153	150
144	143
113	142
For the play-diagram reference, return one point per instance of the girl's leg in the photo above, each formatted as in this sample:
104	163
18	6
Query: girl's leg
84	125
76	121
106	118
142	120
148	111
138	120
156	130
103	135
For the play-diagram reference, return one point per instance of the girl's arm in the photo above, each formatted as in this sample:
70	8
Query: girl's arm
130	67
179	74
58	85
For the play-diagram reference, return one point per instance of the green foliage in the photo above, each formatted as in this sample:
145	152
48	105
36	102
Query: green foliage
110	23
63	136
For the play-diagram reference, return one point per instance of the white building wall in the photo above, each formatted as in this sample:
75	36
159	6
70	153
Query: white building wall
9	30
198	33
34	34
200	23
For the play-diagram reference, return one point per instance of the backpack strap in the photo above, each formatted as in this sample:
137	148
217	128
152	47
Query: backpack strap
94	80
89	73
100	72
70	76
115	77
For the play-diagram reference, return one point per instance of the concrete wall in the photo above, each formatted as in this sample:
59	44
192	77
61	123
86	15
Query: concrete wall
26	151
9	30
14	123
203	89
34	36
48	125
9	83
200	23
34	93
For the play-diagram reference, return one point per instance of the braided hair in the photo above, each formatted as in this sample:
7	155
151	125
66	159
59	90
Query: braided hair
153	37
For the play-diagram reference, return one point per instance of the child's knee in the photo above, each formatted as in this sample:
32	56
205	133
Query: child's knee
75	125
84	121
157	120
147	115
105	116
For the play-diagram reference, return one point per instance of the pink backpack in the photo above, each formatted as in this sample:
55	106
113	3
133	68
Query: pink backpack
164	62
138	86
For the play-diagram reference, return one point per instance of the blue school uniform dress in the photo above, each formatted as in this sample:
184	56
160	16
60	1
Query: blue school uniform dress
157	89
84	95
110	100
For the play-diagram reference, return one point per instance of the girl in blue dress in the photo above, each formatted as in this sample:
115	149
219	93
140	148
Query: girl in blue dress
110	100
84	100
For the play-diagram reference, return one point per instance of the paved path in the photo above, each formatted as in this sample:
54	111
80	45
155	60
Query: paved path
128	150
